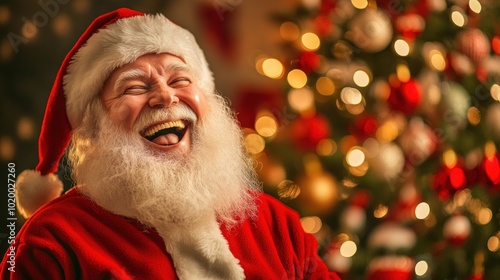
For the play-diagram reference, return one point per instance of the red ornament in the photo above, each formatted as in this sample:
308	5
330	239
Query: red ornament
307	132
488	173
252	99
448	180
474	44
391	268
410	25
405	96
457	229
363	127
323	25
308	61
495	44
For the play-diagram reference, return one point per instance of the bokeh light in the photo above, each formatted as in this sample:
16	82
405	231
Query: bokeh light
311	224
254	143
421	268
401	47
348	249
272	68
301	100
310	41
361	78
266	125
297	78
458	16
289	31
422	210
325	86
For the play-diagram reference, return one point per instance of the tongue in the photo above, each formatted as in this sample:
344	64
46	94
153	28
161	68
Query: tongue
167	139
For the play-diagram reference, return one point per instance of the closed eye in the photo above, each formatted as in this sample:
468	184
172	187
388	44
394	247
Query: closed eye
136	90
180	82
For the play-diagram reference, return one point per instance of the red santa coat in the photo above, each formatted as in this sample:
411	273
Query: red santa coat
73	238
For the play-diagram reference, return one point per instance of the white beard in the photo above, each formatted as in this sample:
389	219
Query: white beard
123	175
214	184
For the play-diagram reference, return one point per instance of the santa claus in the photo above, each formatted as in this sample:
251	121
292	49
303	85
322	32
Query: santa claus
164	188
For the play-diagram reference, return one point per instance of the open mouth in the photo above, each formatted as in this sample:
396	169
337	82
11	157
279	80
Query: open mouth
166	133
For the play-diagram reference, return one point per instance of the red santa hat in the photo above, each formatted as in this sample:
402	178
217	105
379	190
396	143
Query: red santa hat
112	40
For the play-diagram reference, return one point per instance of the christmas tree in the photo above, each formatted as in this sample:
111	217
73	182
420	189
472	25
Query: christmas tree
388	142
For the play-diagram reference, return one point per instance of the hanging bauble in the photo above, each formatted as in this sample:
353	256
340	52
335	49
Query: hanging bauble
431	93
334	259
388	162
488	172
319	193
459	64
308	62
404	208
418	141
493	120
308	131
392	237
363	127
370	30
410	25
353	218
473	43
495	44
405	96
449	180
455	102
390	268
457	229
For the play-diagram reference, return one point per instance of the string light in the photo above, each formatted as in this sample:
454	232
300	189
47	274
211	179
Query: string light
350	95
355	157
361	78
421	268
301	100
422	210
266	125
310	41
401	47
297	78
254	143
495	92
475	6
458	16
348	249
272	68
311	224
359	4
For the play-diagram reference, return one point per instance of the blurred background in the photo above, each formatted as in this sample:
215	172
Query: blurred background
378	121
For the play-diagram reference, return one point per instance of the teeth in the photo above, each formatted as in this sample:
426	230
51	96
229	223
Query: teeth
178	124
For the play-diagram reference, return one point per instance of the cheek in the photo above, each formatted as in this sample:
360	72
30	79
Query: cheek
122	114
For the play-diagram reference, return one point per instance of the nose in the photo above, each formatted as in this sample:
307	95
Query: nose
163	97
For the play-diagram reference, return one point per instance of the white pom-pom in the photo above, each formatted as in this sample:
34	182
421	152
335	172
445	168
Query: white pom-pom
34	190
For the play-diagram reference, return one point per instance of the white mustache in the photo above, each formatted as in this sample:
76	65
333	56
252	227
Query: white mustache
177	112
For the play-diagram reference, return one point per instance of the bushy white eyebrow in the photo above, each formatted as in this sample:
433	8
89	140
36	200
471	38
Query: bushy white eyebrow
126	76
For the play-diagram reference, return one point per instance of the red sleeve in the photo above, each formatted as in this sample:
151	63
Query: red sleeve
31	263
303	244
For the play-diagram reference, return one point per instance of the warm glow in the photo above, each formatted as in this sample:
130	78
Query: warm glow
7	148
326	147
475	6
401	47
254	143
297	78
351	96
348	249
493	243
29	30
310	41
4	15
473	115
325	86
61	25
272	68
484	216
301	100
361	78
458	18
359	4
311	224
422	210
403	72
450	158
490	149
380	211
266	126
421	268
289	31
387	132
437	60
434	94
288	189
495	92
355	157
26	128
